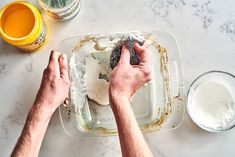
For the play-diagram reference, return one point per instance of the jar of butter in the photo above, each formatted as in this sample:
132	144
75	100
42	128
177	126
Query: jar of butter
21	25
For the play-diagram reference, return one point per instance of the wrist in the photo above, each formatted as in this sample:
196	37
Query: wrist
43	109
116	92
116	95
117	99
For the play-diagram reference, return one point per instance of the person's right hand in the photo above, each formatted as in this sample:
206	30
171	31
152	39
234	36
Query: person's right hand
127	78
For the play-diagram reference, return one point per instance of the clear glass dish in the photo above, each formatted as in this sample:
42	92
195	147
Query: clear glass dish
158	105
210	101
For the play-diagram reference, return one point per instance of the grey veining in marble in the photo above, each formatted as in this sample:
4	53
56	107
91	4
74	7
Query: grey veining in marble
205	31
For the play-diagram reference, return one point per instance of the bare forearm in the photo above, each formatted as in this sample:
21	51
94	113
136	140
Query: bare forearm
32	135
52	92
132	141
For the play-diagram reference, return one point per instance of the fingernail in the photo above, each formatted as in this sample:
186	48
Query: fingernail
136	44
64	56
55	52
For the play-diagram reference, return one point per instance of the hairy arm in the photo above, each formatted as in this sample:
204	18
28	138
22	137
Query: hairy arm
35	127
53	91
125	80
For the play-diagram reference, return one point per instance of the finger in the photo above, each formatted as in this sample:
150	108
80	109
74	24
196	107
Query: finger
63	63
143	53
53	65
45	73
125	56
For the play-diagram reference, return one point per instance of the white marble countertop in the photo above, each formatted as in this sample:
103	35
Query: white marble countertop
205	31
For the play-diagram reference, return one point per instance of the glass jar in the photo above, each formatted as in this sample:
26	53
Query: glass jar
61	9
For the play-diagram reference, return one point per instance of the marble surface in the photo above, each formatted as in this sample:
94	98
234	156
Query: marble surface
205	31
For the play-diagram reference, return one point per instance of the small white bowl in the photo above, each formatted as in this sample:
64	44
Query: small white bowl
211	101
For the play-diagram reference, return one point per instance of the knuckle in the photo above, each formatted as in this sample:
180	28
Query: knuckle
51	74
52	77
45	71
149	77
147	72
50	69
53	83
64	67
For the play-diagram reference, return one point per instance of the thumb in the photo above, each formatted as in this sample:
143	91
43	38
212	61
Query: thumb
125	56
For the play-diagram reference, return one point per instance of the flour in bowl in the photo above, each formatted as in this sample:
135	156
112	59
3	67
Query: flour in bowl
212	106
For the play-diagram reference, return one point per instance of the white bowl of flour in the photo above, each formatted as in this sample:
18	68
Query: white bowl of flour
211	101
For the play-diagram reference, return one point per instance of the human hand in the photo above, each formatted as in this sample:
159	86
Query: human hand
55	83
127	78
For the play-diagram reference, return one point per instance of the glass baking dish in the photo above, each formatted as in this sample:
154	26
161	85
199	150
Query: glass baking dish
158	105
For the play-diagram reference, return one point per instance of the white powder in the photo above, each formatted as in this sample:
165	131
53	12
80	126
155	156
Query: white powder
97	89
212	106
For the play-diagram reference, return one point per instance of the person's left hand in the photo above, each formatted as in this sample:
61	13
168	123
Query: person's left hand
55	83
